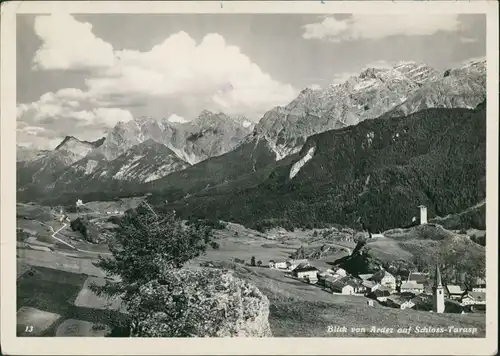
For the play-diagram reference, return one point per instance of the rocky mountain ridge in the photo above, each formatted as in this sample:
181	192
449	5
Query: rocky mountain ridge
401	90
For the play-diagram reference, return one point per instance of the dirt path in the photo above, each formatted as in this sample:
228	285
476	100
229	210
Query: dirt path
68	244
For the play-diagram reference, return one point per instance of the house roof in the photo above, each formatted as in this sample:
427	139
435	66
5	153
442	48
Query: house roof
398	299
417	277
380	274
353	282
368	284
365	276
411	285
478	296
340	284
454	289
381	292
331	278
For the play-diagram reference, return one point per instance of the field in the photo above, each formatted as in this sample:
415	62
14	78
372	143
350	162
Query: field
88	299
57	290
34	322
49	293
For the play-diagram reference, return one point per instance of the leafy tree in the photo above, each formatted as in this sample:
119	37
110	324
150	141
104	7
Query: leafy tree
252	261
146	246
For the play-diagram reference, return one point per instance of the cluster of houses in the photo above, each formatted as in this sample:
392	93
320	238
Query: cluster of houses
415	292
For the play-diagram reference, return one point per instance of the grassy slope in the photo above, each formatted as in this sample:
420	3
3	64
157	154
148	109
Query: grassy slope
298	309
420	247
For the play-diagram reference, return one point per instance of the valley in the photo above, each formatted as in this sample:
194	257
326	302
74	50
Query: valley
329	185
60	276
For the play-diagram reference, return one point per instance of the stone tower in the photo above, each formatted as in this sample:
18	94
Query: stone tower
438	293
423	214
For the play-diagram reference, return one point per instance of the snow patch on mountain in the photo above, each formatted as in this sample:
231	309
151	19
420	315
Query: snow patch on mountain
297	166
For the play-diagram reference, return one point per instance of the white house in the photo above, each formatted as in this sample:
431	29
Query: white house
370	286
454	291
277	264
480	285
308	273
79	202
474	298
384	278
399	302
341	287
341	272
411	287
479	289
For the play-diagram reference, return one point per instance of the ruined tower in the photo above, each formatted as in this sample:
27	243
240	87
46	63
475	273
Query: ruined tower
423	214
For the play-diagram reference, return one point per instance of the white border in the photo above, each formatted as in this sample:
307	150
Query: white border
226	346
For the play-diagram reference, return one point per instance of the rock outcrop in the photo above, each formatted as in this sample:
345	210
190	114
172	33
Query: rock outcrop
200	302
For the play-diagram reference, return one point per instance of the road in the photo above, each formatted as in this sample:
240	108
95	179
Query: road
68	244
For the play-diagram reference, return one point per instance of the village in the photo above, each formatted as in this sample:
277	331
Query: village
417	290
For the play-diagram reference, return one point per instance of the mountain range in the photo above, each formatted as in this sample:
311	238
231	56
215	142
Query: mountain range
380	170
217	152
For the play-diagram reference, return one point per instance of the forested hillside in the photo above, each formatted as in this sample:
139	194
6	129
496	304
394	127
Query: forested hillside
380	170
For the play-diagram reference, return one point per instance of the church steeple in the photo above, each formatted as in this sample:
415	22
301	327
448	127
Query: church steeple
438	277
438	293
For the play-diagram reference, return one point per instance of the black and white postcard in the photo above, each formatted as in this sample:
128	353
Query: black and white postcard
249	178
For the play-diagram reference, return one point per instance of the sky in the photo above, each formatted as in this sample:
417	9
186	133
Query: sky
82	74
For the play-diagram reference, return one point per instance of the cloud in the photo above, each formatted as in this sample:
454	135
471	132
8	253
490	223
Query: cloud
71	105
177	118
211	72
374	27
32	130
37	137
66	112
69	44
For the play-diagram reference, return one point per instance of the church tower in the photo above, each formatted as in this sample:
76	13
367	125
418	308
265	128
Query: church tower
438	293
